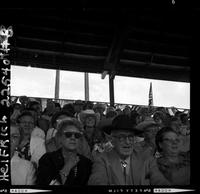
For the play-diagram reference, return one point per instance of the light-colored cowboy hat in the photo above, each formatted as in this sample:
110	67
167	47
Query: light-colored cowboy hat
144	124
89	113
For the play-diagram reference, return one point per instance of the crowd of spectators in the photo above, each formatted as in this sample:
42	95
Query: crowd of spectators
86	143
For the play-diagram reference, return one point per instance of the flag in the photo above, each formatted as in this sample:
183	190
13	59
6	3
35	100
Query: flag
150	95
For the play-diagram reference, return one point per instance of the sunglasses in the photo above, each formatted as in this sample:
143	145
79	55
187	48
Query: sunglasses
27	123
70	134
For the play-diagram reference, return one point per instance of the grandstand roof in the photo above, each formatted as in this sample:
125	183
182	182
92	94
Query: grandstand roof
146	43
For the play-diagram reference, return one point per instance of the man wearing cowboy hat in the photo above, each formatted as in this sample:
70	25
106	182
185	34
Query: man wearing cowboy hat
121	165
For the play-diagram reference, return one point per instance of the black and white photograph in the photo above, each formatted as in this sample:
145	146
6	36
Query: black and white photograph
96	100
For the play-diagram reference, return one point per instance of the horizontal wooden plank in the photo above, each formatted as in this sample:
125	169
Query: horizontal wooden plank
58	46
156	47
154	72
58	64
21	51
158	64
128	51
60	35
154	57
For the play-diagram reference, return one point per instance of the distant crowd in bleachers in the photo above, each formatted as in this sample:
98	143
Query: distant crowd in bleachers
86	143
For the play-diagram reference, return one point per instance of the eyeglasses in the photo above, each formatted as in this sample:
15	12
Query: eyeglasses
28	123
14	137
122	138
171	141
70	134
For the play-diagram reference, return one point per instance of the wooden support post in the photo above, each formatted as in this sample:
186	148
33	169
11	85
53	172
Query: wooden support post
86	86
57	84
111	89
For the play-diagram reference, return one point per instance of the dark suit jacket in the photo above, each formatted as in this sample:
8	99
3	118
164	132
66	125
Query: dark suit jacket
51	163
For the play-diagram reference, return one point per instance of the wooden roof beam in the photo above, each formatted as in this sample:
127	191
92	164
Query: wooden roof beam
115	50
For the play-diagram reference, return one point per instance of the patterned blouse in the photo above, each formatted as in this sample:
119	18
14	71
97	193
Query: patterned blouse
24	152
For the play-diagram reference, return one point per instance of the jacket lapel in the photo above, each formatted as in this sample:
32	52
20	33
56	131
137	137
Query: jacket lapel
136	169
116	169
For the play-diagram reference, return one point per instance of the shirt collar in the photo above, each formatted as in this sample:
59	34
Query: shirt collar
127	160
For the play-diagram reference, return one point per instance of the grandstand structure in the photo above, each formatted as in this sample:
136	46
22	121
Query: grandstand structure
153	43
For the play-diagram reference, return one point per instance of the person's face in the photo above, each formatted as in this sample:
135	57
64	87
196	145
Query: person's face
138	119
17	107
78	108
123	143
57	108
24	100
37	108
14	137
70	138
90	121
176	125
35	114
100	110
127	111
157	119
119	112
170	143
150	133
50	106
27	124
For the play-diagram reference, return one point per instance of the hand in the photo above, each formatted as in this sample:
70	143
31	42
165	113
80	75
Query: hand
70	162
54	182
15	114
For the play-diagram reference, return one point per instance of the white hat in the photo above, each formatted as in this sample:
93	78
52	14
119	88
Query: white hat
144	124
89	113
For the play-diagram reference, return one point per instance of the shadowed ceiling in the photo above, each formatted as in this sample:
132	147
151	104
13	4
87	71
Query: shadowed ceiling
147	43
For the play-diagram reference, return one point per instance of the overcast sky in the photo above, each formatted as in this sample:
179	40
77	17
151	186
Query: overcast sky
37	82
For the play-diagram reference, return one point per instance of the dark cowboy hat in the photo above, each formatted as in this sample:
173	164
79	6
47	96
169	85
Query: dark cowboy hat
122	122
105	125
